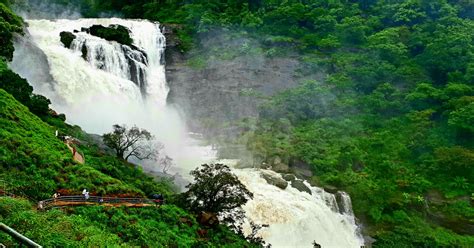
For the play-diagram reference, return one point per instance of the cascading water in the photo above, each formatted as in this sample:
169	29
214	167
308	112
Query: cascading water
98	83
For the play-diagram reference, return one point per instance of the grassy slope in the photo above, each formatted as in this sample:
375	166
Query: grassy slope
35	163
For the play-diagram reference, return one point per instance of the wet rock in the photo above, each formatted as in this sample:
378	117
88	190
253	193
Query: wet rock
274	179
84	51
280	167
137	62
331	189
67	38
289	177
301	169
299	185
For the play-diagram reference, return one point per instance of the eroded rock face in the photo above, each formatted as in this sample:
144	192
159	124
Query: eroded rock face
273	179
211	86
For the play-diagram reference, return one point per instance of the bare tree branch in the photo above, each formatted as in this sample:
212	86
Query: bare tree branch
133	142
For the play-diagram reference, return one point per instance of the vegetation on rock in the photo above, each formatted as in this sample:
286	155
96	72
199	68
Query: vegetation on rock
116	33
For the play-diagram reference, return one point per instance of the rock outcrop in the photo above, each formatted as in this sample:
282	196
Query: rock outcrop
289	177
299	185
274	179
113	32
217	83
67	38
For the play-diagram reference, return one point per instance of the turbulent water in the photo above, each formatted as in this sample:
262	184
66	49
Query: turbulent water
109	83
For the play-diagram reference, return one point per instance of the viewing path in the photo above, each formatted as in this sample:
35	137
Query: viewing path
78	200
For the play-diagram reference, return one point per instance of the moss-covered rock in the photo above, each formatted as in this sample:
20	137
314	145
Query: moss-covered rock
116	33
67	38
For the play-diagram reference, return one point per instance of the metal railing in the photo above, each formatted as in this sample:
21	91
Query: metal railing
17	236
92	200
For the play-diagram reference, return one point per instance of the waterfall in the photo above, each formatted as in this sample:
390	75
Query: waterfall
101	90
98	83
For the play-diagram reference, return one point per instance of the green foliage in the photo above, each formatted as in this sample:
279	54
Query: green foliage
34	164
22	91
116	33
9	24
216	189
116	227
392	121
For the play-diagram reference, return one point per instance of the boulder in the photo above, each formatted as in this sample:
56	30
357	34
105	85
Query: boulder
301	169
67	38
273	179
331	189
299	185
289	177
280	167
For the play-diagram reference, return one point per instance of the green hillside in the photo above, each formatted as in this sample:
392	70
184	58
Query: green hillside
34	164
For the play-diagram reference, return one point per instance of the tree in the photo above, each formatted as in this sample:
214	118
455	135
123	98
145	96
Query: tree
39	105
166	163
216	189
133	142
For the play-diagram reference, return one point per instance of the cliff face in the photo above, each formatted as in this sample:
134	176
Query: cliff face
220	83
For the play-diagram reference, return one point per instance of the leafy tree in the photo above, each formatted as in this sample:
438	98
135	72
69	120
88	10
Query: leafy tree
39	105
9	24
133	142
463	117
216	189
17	86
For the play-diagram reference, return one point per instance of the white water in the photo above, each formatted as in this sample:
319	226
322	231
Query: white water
97	98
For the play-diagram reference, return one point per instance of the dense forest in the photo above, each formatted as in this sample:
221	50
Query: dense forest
392	123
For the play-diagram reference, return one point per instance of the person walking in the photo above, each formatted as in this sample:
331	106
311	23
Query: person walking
85	194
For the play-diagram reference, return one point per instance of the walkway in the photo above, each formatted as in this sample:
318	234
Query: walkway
77	156
78	200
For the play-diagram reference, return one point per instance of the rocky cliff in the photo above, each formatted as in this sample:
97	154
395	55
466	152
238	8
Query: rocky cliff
225	78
